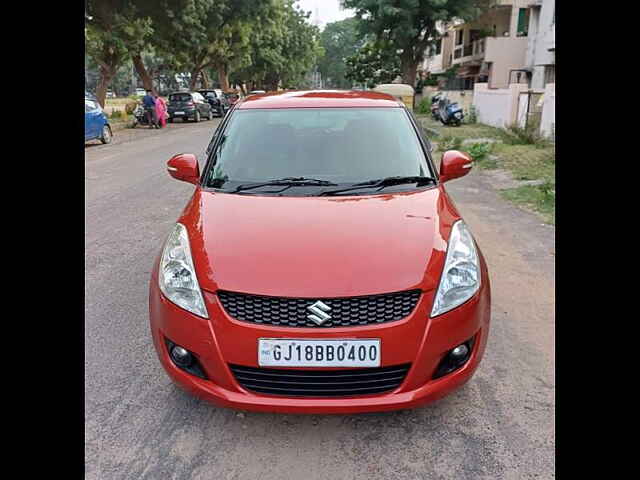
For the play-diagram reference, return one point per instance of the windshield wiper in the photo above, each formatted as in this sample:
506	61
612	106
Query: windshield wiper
286	182
383	182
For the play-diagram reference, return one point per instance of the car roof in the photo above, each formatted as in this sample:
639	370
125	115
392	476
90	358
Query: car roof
319	99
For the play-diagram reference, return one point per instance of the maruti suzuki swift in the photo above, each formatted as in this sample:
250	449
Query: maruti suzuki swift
320	265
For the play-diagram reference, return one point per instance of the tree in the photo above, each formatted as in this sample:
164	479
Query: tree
282	48
113	28
410	25
203	34
373	64
339	40
301	47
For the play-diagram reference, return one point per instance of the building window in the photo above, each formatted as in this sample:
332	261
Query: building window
459	36
523	22
439	46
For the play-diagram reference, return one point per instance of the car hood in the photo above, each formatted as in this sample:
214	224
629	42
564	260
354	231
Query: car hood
319	246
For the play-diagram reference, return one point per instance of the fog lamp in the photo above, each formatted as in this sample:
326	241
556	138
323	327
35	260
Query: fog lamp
181	356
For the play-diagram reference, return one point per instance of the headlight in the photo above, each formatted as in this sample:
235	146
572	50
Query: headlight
461	274
177	276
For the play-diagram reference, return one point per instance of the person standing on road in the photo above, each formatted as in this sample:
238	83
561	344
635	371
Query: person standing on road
149	104
161	111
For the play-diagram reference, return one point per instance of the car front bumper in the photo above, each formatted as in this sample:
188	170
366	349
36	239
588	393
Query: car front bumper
417	339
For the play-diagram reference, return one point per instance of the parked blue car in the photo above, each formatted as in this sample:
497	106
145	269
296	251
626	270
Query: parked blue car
96	124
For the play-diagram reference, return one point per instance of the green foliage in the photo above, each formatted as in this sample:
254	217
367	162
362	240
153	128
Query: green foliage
339	41
375	63
113	30
117	114
514	134
424	107
449	142
472	116
479	151
282	48
409	26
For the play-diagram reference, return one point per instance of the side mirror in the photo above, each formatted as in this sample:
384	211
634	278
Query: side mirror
184	166
454	164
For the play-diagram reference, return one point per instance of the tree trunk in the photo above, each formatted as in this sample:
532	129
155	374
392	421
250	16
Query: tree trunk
106	75
223	76
205	79
194	79
409	69
147	81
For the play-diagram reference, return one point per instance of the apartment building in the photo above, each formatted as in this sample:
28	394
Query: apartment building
434	59
541	50
492	48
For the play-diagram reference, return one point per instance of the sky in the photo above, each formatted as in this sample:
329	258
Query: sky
328	10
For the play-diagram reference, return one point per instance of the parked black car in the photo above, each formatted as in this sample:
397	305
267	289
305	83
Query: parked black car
218	101
188	105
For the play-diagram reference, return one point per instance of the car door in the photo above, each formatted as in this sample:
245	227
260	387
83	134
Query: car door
202	105
92	120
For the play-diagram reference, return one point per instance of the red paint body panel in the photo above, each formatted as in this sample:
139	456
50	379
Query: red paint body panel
416	339
319	246
319	99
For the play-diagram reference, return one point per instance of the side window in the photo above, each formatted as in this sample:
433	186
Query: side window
215	136
422	131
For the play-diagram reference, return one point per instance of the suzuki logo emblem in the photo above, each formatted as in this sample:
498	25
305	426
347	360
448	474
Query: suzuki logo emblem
319	310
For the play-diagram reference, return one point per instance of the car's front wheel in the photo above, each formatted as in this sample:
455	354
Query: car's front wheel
106	134
197	117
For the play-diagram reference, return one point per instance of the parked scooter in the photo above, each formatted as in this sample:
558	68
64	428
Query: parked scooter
434	106
139	116
450	112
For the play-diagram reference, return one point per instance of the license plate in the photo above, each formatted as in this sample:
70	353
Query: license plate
282	352
178	113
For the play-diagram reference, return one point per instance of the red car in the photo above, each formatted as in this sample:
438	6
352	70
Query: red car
320	266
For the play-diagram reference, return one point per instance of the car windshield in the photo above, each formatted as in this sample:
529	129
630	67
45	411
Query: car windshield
343	146
180	97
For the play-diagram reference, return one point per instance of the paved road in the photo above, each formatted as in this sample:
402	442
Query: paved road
139	426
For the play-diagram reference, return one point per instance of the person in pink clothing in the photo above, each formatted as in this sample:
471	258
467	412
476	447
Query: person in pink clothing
161	110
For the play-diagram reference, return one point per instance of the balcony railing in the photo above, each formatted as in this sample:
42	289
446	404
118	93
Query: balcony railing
473	51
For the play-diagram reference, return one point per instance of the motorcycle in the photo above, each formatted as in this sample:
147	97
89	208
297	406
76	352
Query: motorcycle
450	112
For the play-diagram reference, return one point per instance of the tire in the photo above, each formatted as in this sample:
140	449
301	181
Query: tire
107	135
197	116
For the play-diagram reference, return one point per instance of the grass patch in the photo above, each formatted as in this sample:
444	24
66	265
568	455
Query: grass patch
119	117
540	198
112	102
528	162
466	130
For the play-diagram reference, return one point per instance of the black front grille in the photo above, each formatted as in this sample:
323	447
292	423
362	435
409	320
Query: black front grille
345	311
320	383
